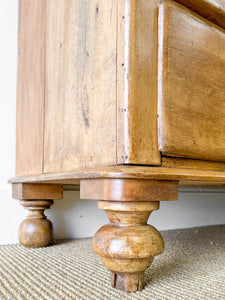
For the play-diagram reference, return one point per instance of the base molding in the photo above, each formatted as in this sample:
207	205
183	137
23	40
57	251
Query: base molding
129	189
187	173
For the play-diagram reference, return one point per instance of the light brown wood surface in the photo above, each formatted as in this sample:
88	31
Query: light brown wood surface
97	118
129	190
87	95
30	87
96	65
137	82
191	104
213	10
130	172
80	104
194	164
127	245
29	191
36	230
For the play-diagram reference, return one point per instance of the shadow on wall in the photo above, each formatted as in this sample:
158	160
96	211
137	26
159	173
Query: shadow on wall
76	218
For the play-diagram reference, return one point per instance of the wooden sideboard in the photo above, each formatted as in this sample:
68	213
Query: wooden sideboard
125	98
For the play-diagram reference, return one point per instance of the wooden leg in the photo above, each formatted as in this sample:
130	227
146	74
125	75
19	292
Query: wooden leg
128	245
36	230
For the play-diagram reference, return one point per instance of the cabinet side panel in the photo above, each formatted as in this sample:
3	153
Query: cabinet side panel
30	87
80	106
137	82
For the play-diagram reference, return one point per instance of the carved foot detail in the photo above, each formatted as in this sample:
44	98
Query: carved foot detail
127	245
36	230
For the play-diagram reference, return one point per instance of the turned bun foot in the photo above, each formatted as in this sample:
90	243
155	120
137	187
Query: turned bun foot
36	230
127	245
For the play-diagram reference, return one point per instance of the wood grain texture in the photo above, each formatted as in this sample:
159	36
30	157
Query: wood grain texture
194	164
29	191
213	10
111	40
209	178
30	87
36	230
137	82
191	85
129	190
80	106
127	245
202	184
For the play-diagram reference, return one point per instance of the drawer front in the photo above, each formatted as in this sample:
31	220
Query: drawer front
191	85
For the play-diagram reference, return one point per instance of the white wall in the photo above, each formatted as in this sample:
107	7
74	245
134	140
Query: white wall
73	217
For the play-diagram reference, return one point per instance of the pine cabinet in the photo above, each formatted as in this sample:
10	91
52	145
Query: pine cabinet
127	99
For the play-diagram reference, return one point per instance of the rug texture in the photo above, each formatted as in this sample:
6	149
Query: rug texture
192	267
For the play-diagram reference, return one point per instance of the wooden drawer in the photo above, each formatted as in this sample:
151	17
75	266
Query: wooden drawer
191	85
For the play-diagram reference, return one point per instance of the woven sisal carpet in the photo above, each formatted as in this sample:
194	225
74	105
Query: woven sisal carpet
192	267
